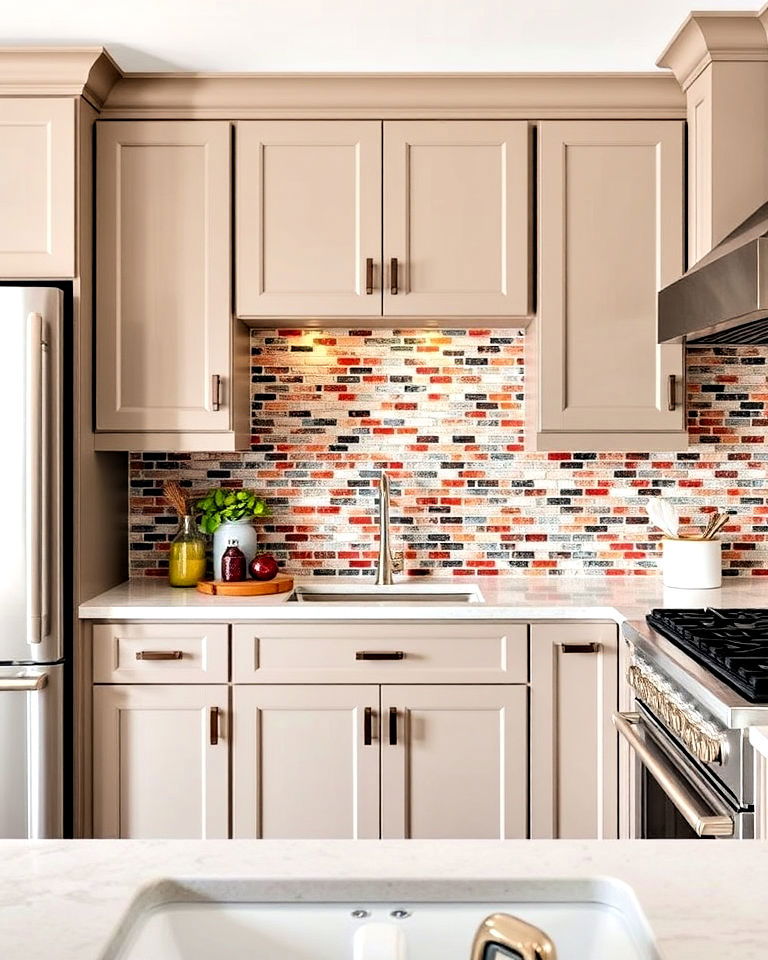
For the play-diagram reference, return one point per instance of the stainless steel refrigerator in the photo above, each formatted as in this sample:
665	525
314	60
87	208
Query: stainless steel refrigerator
32	650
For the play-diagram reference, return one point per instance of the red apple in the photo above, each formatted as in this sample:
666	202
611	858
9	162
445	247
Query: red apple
263	567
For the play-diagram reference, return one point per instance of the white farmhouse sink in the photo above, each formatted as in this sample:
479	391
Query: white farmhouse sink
611	927
397	593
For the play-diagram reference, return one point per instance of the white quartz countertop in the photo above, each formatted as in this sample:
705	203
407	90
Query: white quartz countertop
522	598
62	900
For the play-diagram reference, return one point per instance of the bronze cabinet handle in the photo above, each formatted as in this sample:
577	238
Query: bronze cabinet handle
368	726
393	726
159	654
393	276
379	655
369	276
523	939
580	647
215	392
214	721
671	392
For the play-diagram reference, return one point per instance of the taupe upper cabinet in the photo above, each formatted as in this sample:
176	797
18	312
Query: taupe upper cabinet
611	218
308	218
37	187
166	361
456	218
327	228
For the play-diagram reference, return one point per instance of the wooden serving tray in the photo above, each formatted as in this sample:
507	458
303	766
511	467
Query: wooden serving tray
247	588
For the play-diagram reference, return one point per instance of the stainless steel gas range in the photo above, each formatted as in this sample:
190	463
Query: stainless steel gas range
700	681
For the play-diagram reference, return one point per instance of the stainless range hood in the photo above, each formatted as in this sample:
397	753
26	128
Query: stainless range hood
724	297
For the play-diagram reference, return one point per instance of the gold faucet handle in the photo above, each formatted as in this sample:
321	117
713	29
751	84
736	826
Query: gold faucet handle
398	561
511	933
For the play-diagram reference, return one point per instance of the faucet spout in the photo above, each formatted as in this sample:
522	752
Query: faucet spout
389	562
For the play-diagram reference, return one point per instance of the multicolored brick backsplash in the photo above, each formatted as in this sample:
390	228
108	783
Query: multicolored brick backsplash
443	411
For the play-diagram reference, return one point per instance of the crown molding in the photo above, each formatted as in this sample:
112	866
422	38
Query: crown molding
707	37
412	95
89	72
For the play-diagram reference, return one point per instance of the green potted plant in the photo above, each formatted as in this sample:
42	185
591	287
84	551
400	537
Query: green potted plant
227	515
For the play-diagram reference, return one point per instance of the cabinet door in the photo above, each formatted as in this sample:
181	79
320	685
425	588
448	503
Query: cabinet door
164	325
454	762
611	235
574	746
302	766
457	218
160	762
37	188
308	217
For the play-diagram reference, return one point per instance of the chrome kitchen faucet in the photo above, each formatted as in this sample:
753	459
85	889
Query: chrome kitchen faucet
389	562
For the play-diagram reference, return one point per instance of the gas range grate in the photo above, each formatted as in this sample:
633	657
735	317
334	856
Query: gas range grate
733	644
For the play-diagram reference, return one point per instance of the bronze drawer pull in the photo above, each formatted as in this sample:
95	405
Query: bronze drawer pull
159	655
580	647
393	276
379	655
369	276
393	726
368	726
214	718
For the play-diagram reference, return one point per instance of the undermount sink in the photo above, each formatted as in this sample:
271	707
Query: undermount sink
396	593
597	919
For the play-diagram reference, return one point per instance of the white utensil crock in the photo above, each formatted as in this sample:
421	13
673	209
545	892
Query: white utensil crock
691	564
241	530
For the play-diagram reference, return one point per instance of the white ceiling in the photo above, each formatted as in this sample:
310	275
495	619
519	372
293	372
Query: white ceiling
360	35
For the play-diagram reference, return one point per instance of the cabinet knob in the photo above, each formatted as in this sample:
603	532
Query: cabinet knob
393	284
369	276
580	647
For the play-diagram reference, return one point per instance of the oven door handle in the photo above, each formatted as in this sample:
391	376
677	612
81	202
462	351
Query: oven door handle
677	788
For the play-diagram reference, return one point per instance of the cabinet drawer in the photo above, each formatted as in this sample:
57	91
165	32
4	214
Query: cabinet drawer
160	653
380	653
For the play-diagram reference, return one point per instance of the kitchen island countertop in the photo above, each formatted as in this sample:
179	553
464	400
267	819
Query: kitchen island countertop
63	899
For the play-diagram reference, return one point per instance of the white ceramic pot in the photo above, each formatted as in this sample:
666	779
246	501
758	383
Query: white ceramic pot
247	540
691	564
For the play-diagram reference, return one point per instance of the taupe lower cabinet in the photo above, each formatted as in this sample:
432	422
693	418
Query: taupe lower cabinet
302	766
416	761
611	234
454	762
162	761
450	199
351	730
574	746
167	370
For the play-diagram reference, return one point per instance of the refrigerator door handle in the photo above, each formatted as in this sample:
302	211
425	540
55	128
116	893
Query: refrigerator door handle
27	683
37	477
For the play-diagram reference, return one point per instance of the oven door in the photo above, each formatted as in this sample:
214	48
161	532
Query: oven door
672	799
